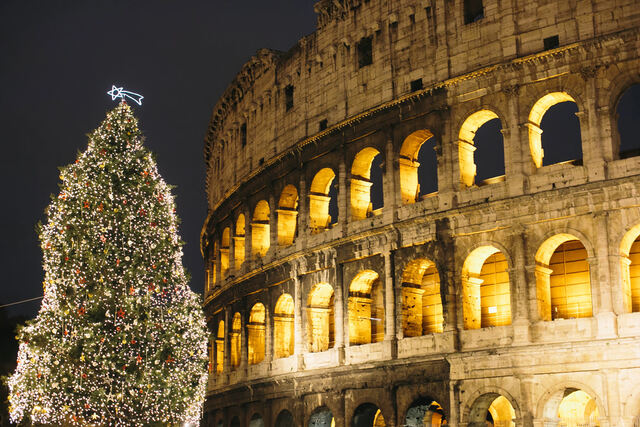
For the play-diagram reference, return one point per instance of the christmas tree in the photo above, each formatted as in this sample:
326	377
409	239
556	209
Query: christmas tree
120	338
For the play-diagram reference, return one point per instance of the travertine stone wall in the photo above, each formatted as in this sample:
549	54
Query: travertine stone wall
359	325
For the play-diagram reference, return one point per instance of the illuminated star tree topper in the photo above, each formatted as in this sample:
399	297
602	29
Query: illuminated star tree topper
120	339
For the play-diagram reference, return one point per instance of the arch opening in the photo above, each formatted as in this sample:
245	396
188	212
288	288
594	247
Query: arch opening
235	341
418	166
627	112
563	283
366	309
256	334
224	252
425	412
364	181
285	419
239	242
486	294
322	198
571	407
421	299
287	215
320	318
630	269
283	327
235	422
220	347
260	229
481	130
367	415
554	130
321	417
492	410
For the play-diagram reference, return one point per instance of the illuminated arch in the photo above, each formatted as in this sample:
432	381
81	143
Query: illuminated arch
630	268
492	409
220	347
361	206
256	334
425	412
466	147
409	165
536	114
367	415
283	336
572	405
421	300
366	309
486	295
563	283
224	252
320	318
239	242
235	341
260	230
319	199
287	215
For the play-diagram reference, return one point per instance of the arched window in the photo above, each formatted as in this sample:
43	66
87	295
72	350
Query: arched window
630	267
260	230
287	215
418	166
572	407
285	419
238	240
421	300
366	309
256	333
220	347
493	409
481	149
320	318
236	340
320	199
554	130
283	327
367	415
224	252
362	183
425	412
563	283
627	113
321	417
486	295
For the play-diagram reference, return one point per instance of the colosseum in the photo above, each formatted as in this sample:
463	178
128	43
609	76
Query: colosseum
427	213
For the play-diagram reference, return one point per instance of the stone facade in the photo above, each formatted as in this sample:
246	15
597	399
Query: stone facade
510	301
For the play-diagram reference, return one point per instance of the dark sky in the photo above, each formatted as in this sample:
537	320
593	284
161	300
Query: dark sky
57	61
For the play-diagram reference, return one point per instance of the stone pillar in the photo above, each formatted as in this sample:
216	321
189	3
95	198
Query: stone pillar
601	284
248	240
344	208
390	329
611	383
273	227
244	344
303	215
341	321
390	191
298	347
518	289
232	251
268	320
227	354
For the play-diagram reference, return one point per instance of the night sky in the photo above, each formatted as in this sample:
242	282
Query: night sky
57	61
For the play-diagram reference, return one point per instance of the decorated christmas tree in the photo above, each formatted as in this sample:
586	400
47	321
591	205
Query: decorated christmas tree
120	338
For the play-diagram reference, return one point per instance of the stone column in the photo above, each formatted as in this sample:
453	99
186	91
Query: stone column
244	344
232	251
227	354
298	347
341	322
390	191
344	208
601	284
268	347
273	227
390	329
303	215
518	289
